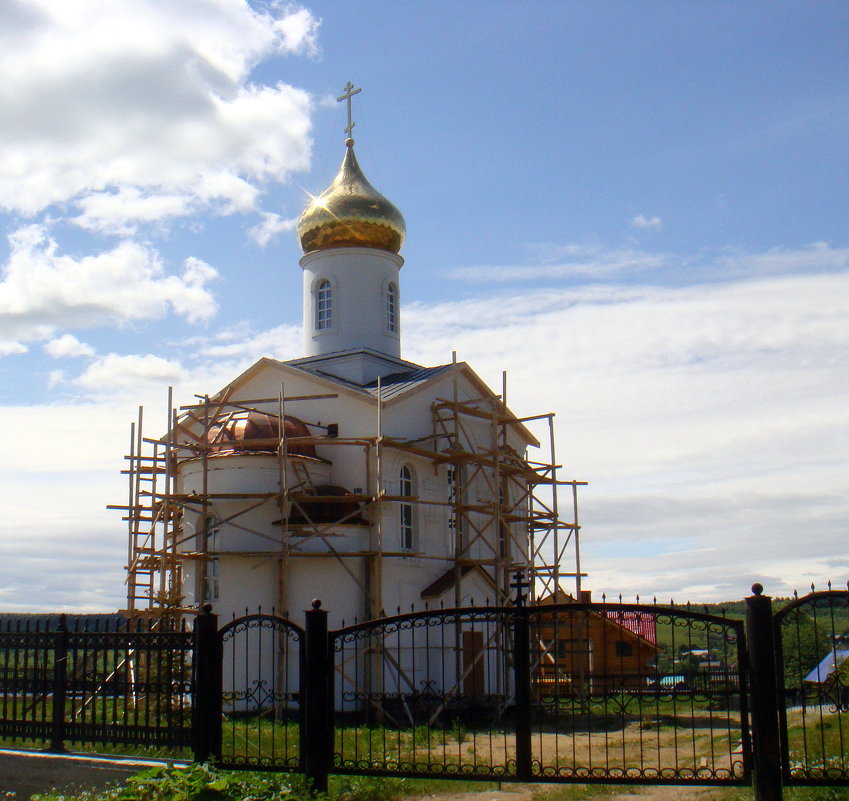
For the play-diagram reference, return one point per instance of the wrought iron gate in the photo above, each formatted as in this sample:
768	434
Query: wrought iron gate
812	646
567	693
260	697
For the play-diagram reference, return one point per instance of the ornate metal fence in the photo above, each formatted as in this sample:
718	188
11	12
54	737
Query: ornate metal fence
100	683
566	693
575	692
812	644
638	694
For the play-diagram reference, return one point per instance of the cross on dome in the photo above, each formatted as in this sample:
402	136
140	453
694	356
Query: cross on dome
347	95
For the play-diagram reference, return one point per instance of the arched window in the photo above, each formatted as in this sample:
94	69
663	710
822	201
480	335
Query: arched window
405	487
323	305
392	309
454	477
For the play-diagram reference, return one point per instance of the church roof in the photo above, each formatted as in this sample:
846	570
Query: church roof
398	383
394	385
449	579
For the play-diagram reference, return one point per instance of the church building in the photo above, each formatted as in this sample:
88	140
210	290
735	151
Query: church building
351	474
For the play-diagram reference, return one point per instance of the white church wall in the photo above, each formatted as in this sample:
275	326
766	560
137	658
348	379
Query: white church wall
325	579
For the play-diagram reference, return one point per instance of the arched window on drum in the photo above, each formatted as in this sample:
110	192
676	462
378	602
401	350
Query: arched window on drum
392	308
323	305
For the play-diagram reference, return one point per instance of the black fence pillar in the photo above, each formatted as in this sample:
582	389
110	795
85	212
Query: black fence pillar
60	671
206	704
522	674
522	677
764	697
317	700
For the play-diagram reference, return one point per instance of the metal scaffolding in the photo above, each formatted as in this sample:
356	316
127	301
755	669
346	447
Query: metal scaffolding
503	509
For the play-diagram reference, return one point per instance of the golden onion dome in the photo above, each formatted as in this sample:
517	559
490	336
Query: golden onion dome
351	213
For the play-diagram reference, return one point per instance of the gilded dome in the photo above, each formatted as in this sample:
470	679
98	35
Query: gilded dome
350	213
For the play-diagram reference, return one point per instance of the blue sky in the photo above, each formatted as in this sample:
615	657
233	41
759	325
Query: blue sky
638	209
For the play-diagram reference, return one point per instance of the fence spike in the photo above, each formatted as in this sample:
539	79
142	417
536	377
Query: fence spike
829	585
812	587
638	597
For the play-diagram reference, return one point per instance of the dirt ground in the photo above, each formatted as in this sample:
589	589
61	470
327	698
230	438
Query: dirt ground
526	792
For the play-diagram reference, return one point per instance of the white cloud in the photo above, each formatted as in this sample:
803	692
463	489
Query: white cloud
119	212
42	289
110	373
595	262
130	108
271	225
11	348
67	346
242	346
819	256
585	261
641	221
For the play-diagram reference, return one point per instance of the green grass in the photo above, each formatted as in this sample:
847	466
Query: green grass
821	745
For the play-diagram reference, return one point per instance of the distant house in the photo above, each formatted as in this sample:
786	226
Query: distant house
592	649
823	672
824	680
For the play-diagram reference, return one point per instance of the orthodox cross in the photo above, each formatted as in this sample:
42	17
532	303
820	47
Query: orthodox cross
349	93
520	584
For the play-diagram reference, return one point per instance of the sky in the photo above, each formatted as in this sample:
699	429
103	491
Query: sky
639	210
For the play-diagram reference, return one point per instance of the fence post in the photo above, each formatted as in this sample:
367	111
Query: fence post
522	677
764	698
206	704
60	671
317	700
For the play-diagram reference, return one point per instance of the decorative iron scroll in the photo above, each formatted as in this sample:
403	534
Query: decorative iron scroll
812	645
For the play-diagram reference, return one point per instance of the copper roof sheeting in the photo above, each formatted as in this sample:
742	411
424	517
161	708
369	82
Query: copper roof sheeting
252	431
